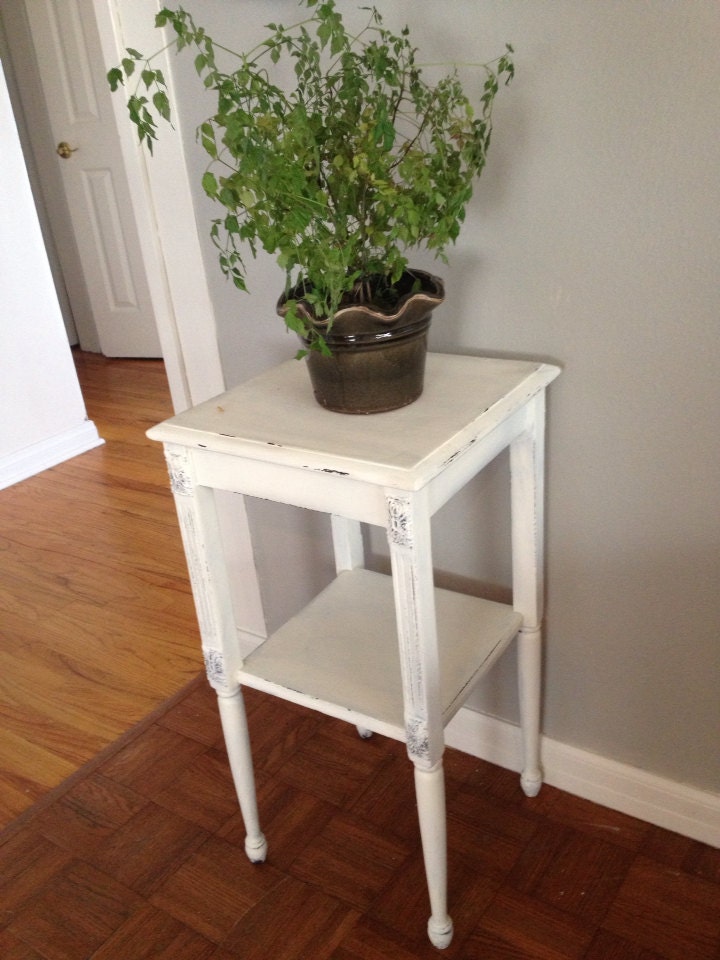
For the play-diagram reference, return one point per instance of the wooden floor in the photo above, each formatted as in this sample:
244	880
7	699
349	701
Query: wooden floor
141	858
96	620
138	855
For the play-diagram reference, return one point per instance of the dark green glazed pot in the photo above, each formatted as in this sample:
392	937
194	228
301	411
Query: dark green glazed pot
378	358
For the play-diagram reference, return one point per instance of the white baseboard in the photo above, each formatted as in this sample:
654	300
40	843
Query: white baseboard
48	453
665	803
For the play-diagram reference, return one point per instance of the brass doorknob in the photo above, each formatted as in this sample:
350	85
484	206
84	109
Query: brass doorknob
64	150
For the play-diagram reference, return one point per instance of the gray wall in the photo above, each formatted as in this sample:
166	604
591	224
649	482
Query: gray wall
592	242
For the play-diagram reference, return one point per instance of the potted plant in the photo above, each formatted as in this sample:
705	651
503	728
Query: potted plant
338	173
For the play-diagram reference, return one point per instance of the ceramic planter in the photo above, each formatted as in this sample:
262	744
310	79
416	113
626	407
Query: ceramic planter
378	357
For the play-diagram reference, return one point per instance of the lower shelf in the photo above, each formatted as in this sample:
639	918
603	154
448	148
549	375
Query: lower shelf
340	655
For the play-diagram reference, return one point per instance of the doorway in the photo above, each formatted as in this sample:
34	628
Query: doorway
161	196
52	54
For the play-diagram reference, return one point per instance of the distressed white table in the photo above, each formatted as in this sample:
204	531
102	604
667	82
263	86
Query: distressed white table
390	654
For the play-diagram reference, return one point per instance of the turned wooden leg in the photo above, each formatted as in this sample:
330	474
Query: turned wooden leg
430	793
529	683
527	467
237	741
409	539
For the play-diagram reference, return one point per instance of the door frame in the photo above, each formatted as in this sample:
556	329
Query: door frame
164	211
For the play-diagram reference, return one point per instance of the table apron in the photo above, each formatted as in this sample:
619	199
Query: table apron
335	493
329	492
476	456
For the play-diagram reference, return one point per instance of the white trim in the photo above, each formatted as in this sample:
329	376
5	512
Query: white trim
163	206
674	806
48	453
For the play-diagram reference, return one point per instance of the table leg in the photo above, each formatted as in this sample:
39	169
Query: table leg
430	794
199	527
411	558
347	543
527	475
235	729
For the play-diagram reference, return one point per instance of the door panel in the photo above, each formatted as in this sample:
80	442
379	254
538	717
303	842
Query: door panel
72	75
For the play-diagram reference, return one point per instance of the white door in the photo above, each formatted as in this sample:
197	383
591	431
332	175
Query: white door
87	154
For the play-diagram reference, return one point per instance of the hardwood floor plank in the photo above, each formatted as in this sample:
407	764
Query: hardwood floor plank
97	625
215	888
73	918
518	926
351	860
567	870
166	840
13	949
660	908
84	817
152	934
319	925
29	771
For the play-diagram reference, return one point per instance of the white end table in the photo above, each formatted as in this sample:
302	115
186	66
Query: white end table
390	654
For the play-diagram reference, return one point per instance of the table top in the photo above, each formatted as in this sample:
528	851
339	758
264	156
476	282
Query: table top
274	418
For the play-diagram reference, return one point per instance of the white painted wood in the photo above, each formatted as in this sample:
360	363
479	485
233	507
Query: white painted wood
240	569
430	793
235	731
162	201
393	654
301	486
18	59
274	419
200	532
340	653
618	786
201	537
527	468
347	543
72	72
527	500
408	531
160	198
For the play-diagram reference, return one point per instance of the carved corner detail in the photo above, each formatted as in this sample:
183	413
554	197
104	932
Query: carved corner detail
400	529
215	668
180	480
418	740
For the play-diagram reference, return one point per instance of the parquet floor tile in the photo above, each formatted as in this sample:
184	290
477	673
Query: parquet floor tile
73	914
515	925
318	923
351	860
151	934
664	909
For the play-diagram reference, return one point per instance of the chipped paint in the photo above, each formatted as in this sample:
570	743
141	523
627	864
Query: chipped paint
459	453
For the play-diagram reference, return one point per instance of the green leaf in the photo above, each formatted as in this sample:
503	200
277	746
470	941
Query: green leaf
162	104
115	77
210	184
207	138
